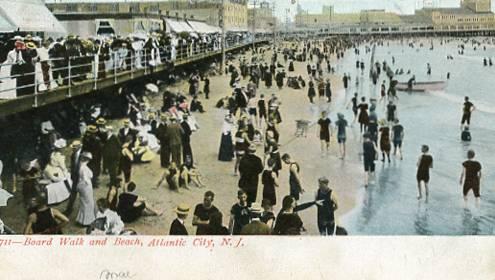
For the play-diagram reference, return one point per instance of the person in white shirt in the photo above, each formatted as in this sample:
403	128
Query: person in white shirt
113	223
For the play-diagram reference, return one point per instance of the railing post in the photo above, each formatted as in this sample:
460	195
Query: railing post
145	62
96	69
69	79
35	90
132	64
115	68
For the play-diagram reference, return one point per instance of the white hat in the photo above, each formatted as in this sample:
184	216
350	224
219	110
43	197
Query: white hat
60	143
87	155
47	127
255	208
152	88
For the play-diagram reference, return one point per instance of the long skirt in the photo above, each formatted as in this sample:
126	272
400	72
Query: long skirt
226	152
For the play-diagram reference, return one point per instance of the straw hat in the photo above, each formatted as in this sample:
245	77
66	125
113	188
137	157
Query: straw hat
31	45
92	129
127	121
163	117
101	121
255	207
76	144
182	209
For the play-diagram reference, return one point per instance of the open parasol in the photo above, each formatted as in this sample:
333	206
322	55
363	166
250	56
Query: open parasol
4	197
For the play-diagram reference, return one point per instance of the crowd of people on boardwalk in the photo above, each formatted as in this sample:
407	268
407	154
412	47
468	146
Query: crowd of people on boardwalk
251	120
31	61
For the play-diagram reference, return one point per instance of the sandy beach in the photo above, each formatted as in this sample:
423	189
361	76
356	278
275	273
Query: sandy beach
345	175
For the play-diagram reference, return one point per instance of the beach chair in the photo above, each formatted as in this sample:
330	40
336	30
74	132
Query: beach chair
301	128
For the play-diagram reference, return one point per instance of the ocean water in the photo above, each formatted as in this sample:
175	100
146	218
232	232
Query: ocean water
389	206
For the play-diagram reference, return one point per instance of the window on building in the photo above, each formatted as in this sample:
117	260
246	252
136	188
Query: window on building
134	8
114	7
71	8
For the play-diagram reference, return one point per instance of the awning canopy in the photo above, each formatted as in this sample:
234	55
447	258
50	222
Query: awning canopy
203	28
236	29
28	16
178	26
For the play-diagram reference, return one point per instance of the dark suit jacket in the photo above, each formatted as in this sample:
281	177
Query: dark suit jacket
177	228
122	135
112	149
161	134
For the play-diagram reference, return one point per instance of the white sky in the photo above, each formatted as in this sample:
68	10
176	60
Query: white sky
314	6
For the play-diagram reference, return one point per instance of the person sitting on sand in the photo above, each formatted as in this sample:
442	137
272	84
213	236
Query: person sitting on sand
131	206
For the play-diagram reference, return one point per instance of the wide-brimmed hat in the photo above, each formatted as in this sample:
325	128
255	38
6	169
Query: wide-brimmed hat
92	129
31	45
101	121
44	182
182	209
76	144
60	143
255	208
152	88
87	155
47	127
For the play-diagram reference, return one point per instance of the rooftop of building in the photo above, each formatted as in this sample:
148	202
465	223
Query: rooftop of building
457	11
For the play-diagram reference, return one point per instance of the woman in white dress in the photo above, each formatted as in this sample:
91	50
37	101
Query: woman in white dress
56	171
86	214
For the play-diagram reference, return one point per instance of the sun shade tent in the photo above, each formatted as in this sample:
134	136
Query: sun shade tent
203	28
28	16
178	26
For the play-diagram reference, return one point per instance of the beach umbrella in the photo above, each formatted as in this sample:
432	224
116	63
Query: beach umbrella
4	197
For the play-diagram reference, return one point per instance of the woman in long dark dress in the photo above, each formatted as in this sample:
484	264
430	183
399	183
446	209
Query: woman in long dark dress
385	144
363	114
268	79
270	181
226	152
425	162
311	91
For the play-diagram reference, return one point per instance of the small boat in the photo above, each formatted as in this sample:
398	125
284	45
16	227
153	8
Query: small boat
422	86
